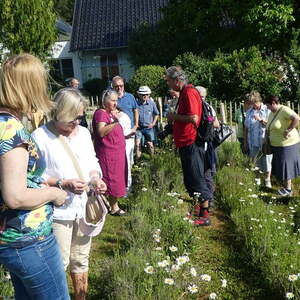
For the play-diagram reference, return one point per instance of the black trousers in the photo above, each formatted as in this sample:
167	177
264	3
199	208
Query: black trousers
194	167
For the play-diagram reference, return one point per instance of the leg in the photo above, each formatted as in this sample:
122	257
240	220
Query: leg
19	287
63	234
79	264
288	184
138	148
40	270
149	137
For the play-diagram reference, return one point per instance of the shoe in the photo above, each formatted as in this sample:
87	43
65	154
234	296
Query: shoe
268	183
285	192
202	222
204	213
195	211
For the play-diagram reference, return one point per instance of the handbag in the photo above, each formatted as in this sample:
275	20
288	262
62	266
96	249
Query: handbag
221	134
97	206
266	146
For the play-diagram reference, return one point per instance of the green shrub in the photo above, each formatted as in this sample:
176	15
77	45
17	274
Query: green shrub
95	86
231	76
152	76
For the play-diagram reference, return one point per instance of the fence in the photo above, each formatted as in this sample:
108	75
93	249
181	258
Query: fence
225	110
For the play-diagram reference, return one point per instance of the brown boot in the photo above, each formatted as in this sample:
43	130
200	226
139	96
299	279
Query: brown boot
80	284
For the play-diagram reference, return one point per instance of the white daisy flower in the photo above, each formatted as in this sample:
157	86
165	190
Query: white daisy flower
169	281
193	289
149	270
144	189
293	277
249	190
175	268
158	248
180	201
193	272
173	249
224	283
157	239
163	264
205	277
289	295
213	296
181	260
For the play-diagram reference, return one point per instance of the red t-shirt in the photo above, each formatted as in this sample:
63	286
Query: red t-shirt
190	103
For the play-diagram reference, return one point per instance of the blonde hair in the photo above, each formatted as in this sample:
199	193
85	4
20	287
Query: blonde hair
67	103
23	85
106	95
254	97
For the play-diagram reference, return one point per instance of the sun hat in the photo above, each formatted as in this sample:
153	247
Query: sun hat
144	90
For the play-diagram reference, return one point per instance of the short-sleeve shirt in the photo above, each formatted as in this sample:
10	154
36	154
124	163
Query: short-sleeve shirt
113	142
189	103
146	112
25	226
279	126
128	104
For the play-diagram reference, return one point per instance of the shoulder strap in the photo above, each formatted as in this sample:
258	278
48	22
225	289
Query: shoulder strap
67	148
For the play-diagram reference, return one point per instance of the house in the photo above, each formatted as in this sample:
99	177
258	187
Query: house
100	33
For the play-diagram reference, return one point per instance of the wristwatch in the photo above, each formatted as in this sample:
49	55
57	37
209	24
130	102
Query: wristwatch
59	183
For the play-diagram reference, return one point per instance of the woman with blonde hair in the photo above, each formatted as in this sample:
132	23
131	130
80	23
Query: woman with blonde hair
255	130
61	172
110	148
28	249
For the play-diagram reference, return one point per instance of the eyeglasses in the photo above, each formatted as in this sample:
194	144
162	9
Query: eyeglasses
119	86
145	95
78	118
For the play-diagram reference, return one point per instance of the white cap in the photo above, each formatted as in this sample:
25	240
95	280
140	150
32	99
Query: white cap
144	90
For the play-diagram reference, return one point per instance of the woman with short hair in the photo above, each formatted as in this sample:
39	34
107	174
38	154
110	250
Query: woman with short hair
109	142
28	248
285	143
255	129
60	171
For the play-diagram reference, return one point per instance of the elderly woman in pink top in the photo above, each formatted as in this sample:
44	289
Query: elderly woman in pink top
109	142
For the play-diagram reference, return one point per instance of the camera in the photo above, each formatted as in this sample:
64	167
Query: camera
168	129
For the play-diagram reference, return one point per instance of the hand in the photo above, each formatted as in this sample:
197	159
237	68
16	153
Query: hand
257	118
75	186
170	116
287	133
134	129
99	185
60	197
115	115
151	126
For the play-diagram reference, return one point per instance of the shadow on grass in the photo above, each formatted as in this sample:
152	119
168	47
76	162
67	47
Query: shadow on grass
240	262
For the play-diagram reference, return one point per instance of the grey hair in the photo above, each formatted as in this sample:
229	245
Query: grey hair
117	78
176	72
202	90
107	95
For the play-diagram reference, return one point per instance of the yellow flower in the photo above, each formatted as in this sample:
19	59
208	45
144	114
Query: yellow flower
9	129
36	217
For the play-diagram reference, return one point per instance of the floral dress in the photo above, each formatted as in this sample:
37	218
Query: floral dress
21	227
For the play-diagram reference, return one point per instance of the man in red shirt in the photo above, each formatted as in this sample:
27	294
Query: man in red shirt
185	123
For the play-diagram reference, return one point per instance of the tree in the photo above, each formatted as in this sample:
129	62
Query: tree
64	9
152	76
27	26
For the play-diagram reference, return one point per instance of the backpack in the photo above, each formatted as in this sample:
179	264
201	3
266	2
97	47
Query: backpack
205	130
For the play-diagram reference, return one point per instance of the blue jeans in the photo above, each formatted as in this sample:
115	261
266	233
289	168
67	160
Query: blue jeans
147	133
36	270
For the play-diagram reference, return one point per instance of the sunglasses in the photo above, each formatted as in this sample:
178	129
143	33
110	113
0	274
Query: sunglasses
78	118
118	86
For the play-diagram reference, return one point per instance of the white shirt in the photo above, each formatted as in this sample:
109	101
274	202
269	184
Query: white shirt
125	122
60	165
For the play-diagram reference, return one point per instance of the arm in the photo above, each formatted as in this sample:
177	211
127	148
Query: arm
183	118
104	129
16	195
136	119
294	124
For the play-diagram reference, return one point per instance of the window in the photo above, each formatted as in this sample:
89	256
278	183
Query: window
62	69
109	66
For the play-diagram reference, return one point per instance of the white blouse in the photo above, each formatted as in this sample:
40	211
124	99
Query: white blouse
60	165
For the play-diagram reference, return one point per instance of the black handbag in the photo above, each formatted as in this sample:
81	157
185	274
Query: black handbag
221	134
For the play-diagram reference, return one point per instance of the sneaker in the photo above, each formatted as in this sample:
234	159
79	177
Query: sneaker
268	183
202	222
195	211
204	213
285	192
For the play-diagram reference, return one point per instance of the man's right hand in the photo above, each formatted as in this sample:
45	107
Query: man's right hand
75	186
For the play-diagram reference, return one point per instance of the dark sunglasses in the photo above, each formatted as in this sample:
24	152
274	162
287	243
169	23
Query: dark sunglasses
79	118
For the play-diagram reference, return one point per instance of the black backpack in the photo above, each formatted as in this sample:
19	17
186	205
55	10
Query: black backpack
205	131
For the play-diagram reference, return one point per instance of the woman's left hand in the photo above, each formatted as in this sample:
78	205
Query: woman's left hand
99	185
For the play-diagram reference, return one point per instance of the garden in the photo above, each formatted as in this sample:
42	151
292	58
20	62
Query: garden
251	252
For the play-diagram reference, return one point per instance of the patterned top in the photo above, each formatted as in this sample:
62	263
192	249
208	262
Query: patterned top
22	227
